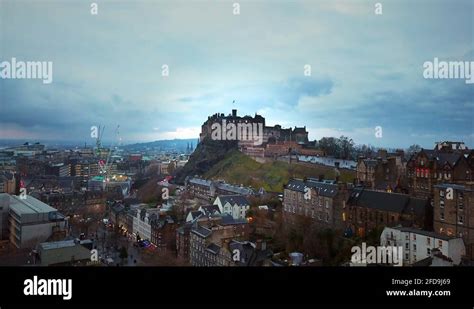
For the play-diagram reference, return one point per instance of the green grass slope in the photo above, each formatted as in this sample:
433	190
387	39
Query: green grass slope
238	168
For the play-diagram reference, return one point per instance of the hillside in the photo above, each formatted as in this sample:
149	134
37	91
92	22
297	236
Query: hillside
207	154
240	169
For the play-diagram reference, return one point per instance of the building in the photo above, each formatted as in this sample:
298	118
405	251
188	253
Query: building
58	169
246	253
63	253
443	164
4	216
369	210
209	189
182	240
296	137
206	211
32	221
142	223
234	205
324	202
200	188
163	231
209	237
454	212
8	182
385	172
418	244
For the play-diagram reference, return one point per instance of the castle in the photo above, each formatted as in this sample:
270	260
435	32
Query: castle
276	140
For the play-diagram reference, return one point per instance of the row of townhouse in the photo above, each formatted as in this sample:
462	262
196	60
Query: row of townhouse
223	241
208	189
360	210
233	205
145	223
418	246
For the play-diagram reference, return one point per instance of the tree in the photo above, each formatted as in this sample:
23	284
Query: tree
345	147
413	149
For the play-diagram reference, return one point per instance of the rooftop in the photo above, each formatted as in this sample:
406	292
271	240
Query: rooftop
30	205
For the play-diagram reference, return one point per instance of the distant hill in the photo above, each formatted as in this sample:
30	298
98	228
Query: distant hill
172	144
239	169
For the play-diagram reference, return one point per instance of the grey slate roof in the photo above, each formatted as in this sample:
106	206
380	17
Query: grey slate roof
213	248
240	200
210	210
201	231
234	188
385	201
324	189
200	181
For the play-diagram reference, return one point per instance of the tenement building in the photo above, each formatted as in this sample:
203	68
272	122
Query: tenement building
323	202
448	162
454	212
369	210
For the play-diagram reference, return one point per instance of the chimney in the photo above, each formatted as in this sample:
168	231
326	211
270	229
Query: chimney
234	113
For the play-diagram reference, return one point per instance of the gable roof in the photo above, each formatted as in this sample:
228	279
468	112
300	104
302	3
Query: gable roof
323	188
240	200
210	210
387	201
201	231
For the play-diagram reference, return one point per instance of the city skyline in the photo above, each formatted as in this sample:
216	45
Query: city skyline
366	69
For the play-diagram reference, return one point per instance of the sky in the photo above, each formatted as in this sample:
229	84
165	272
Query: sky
366	68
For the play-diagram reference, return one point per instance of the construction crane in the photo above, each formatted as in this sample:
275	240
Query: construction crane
105	166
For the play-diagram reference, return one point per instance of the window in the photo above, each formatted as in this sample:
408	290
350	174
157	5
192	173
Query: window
327	204
414	247
441	215
406	246
441	203
407	237
440	244
428	251
461	219
428	241
406	256
414	236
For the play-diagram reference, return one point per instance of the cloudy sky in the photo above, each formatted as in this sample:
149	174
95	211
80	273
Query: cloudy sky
366	69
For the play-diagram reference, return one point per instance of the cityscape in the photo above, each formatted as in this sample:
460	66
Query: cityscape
216	133
287	201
